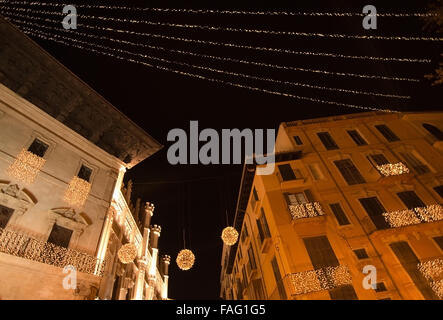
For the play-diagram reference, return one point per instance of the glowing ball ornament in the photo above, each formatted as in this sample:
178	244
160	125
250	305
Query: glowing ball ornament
229	236
185	259
127	253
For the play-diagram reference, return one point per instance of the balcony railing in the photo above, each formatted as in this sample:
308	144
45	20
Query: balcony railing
393	169
414	216
306	210
23	246
317	280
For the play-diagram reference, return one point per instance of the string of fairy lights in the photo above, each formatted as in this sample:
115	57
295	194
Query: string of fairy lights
231	29
236	46
232	12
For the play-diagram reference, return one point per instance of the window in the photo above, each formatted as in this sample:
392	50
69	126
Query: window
375	211
410	199
339	214
439	241
327	140
415	163
349	172
345	292
297	140
278	279
38	148
245	278
258	289
296	198
245	233
5	215
320	252
380	287
286	172
252	258
409	261
439	190
60	236
84	173
358	139
377	159
254	198
387	133
433	130
361	254
262	225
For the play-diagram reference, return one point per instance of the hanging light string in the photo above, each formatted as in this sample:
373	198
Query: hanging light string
232	45
197	76
231	29
236	74
232	12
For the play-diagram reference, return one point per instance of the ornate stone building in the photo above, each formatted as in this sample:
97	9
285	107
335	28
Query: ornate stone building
63	153
350	195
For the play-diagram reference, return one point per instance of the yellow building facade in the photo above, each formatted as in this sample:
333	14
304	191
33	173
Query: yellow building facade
352	211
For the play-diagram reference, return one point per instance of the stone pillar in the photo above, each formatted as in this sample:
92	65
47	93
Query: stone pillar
152	273
166	261
149	212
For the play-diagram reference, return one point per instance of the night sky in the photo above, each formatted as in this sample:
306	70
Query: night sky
196	197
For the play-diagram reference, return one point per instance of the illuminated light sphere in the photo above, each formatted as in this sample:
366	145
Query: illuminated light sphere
229	236
185	259
127	253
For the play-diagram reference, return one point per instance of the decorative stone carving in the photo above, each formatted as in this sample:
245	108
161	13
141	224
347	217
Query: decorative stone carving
70	219
13	197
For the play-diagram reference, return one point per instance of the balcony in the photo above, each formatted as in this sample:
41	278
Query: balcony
318	280
22	246
419	215
306	210
393	172
432	270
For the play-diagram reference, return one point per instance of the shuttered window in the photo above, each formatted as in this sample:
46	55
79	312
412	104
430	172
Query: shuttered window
278	279
251	257
258	289
375	211
358	139
409	261
410	199
286	172
349	172
339	214
387	133
5	215
327	140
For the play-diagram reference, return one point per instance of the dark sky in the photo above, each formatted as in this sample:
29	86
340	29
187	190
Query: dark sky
197	196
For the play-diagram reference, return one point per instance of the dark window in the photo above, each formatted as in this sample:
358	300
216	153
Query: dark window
258	289
339	214
327	140
254	197
245	278
380	287
84	173
60	236
286	172
439	190
378	159
349	172
361	254
38	148
5	215
415	163
297	140
345	292
387	133
278	279
262	225
358	139
433	130
410	199
320	252
244	234
252	258
375	211
409	261
439	241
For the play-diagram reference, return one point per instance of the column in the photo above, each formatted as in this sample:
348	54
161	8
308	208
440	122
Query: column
152	273
166	261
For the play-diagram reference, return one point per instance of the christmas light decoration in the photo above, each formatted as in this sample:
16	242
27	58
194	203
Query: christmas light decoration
432	270
395	169
320	279
343	74
127	253
229	236
230	45
26	167
417	215
230	29
185	259
23	246
70	40
306	210
233	12
437	286
77	192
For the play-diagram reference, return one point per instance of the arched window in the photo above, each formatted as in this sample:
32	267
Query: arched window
433	130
